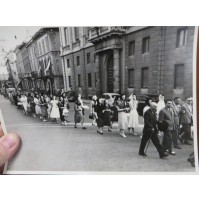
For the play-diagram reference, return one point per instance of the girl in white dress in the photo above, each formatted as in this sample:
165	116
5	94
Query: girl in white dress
24	102
133	115
55	110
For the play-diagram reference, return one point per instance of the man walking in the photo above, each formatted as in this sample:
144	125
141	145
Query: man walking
150	131
186	121
176	109
167	115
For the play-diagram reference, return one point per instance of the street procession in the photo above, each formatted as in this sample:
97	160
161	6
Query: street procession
124	83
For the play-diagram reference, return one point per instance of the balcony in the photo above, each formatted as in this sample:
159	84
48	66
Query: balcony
99	33
34	74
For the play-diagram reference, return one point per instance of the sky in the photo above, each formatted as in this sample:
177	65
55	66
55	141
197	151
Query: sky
11	36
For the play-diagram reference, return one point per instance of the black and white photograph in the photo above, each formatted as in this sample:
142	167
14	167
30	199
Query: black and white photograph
99	100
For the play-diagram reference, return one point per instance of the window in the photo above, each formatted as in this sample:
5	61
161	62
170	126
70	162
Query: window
77	33
87	32
47	44
131	48
78	62
68	63
179	76
66	36
145	45
95	80
43	46
88	58
131	77
69	81
79	80
89	80
145	79
94	58
181	37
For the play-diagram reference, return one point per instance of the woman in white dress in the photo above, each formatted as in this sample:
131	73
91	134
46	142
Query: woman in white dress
122	109
133	115
37	106
24	102
55	110
161	104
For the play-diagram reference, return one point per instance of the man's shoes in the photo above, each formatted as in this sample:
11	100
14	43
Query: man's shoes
164	155
172	153
187	143
143	154
177	147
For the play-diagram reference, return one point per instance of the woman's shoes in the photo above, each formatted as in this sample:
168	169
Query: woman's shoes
122	134
109	130
75	126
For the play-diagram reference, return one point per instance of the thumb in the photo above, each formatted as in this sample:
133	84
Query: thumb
8	146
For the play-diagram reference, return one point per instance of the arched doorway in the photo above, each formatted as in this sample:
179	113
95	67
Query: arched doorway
110	74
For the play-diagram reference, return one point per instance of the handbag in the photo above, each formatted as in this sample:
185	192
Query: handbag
65	111
90	116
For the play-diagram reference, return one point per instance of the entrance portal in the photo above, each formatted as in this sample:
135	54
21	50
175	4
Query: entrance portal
110	74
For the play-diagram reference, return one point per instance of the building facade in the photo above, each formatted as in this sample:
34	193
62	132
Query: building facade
41	67
140	60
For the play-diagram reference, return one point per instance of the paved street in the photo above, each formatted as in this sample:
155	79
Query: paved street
47	146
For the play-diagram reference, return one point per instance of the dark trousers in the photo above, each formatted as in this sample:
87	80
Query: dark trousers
154	138
175	138
185	132
167	140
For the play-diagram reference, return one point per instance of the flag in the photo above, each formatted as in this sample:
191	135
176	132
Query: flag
48	66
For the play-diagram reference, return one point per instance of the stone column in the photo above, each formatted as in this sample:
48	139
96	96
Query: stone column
98	76
116	71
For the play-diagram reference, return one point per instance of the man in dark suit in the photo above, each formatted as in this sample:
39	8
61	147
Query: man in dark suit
186	121
150	131
167	114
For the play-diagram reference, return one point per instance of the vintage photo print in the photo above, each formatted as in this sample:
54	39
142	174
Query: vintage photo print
100	100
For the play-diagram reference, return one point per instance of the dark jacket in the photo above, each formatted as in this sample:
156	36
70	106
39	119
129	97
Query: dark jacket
150	121
165	115
185	115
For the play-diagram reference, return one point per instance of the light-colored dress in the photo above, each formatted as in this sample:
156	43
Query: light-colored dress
37	107
122	116
24	102
133	115
55	109
49	105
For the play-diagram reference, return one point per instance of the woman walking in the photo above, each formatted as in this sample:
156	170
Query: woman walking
31	104
133	115
44	107
61	107
122	109
92	107
37	105
24	102
98	107
106	110
55	110
79	112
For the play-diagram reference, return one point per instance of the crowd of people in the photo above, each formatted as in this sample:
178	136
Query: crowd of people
170	118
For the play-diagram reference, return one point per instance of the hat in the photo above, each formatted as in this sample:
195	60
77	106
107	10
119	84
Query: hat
162	126
190	98
153	104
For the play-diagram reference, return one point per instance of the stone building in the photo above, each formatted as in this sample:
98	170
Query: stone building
140	60
44	51
39	62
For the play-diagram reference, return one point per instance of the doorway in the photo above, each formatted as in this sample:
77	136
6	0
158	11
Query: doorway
110	74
